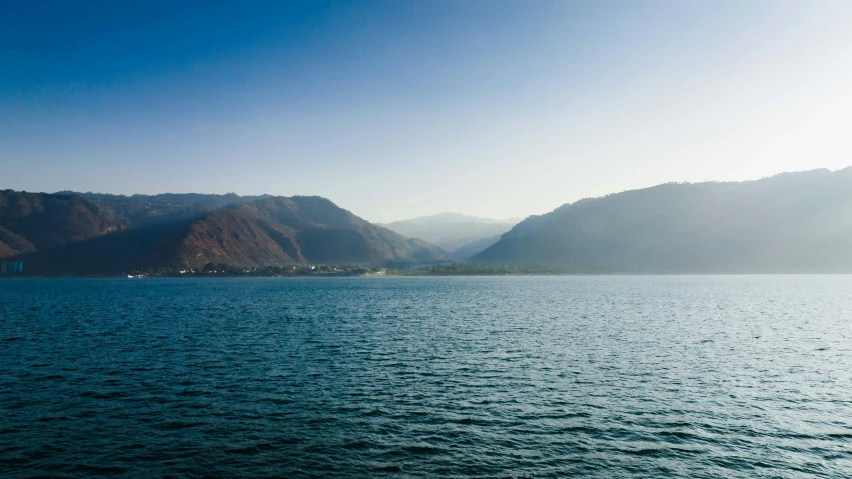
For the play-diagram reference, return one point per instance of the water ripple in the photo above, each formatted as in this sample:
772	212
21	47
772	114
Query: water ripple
629	377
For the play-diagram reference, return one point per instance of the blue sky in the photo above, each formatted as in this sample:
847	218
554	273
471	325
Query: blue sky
399	109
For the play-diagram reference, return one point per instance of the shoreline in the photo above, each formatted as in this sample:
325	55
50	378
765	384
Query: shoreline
393	275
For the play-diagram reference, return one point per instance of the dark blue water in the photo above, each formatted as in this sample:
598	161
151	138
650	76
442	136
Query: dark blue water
645	377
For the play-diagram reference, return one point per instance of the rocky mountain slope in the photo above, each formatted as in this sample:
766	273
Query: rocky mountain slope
297	230
270	231
31	221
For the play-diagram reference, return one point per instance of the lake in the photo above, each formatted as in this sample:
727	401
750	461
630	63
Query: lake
599	376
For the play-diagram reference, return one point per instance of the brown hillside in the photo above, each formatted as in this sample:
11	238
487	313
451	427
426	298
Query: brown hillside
269	232
32	221
297	230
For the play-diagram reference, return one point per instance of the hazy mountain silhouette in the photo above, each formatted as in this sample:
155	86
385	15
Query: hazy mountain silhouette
452	231
793	222
468	251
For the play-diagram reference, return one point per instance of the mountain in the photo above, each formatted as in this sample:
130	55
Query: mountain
31	221
138	211
12	244
466	252
452	231
793	222
265	232
454	218
297	230
38	221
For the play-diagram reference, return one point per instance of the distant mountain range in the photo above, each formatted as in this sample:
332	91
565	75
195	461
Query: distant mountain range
107	234
461	236
793	222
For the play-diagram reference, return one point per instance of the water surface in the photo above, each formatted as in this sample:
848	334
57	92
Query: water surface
634	377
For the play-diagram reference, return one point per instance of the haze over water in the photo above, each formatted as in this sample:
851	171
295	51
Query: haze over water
668	376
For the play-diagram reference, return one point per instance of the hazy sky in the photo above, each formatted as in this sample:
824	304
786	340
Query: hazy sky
404	108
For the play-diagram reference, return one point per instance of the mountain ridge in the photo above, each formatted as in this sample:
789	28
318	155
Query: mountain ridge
30	221
451	231
298	229
792	222
271	231
139	210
